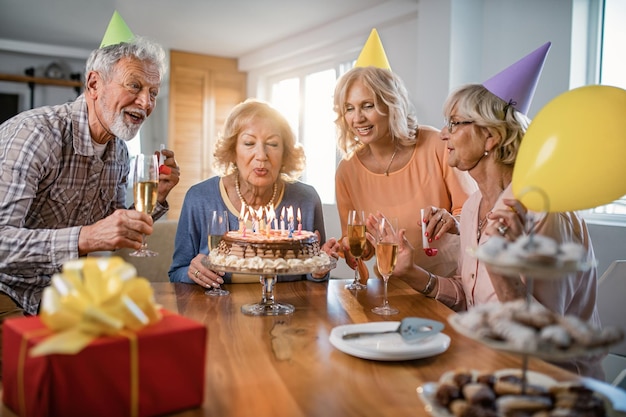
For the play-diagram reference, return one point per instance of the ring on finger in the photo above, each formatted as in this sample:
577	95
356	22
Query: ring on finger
502	230
195	274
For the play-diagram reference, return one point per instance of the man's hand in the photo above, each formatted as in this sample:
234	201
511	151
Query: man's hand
169	175
122	229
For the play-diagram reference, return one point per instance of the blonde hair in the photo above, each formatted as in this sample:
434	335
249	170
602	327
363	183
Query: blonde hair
389	91
475	102
225	153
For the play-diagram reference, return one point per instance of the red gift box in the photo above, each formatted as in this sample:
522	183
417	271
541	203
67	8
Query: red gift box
157	370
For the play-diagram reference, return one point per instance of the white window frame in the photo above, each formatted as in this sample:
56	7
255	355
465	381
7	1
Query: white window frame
595	13
301	74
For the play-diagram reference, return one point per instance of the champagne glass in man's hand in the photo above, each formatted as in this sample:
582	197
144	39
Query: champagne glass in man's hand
145	189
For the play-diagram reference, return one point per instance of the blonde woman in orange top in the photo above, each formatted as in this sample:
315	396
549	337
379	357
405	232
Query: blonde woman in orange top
394	166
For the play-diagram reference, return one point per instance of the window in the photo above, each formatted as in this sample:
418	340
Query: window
306	100
134	145
612	72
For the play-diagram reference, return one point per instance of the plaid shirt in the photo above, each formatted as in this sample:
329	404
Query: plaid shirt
51	184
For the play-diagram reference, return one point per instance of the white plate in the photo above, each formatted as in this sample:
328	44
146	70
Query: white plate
386	347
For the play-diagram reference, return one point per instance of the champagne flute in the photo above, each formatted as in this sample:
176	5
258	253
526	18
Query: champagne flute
145	190
386	257
357	242
218	227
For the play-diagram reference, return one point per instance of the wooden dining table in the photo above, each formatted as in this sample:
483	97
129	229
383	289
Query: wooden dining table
285	365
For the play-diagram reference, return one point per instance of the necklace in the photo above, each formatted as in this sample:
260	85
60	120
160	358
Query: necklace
390	161
243	200
481	224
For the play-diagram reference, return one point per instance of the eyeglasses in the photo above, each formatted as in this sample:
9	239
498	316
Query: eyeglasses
452	125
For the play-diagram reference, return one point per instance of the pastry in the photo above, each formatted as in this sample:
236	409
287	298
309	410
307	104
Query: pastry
554	335
535	248
447	392
513	385
477	393
509	405
519	336
532	314
458	407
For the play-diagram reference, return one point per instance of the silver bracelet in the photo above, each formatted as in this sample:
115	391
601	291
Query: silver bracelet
430	285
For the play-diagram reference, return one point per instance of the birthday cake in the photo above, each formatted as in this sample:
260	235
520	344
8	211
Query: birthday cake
269	252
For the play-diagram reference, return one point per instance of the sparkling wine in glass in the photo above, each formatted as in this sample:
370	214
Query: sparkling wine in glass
386	257
145	190
218	227
357	242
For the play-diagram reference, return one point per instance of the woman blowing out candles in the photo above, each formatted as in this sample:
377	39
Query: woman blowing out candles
260	161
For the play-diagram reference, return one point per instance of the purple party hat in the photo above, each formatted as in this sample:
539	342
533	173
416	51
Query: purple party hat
516	84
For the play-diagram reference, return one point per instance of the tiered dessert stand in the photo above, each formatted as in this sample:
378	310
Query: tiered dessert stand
529	272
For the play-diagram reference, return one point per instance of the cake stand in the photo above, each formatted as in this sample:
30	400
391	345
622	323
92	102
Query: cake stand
268	306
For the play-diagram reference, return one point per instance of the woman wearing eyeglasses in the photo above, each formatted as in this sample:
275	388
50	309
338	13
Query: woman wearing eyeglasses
484	129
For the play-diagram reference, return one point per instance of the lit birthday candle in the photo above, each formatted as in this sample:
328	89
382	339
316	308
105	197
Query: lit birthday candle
272	217
253	219
242	213
245	219
261	220
290	220
299	221
269	216
282	221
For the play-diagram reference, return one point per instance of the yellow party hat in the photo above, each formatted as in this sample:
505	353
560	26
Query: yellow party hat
117	31
373	53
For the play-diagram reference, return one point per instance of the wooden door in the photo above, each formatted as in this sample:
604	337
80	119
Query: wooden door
203	90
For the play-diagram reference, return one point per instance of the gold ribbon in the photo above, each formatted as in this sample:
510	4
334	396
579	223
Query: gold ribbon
134	373
94	297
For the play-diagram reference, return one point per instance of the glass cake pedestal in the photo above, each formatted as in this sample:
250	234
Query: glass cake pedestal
268	306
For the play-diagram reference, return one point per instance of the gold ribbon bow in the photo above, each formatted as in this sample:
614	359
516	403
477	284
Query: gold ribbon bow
94	297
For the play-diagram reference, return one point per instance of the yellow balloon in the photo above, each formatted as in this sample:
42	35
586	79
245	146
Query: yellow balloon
573	152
